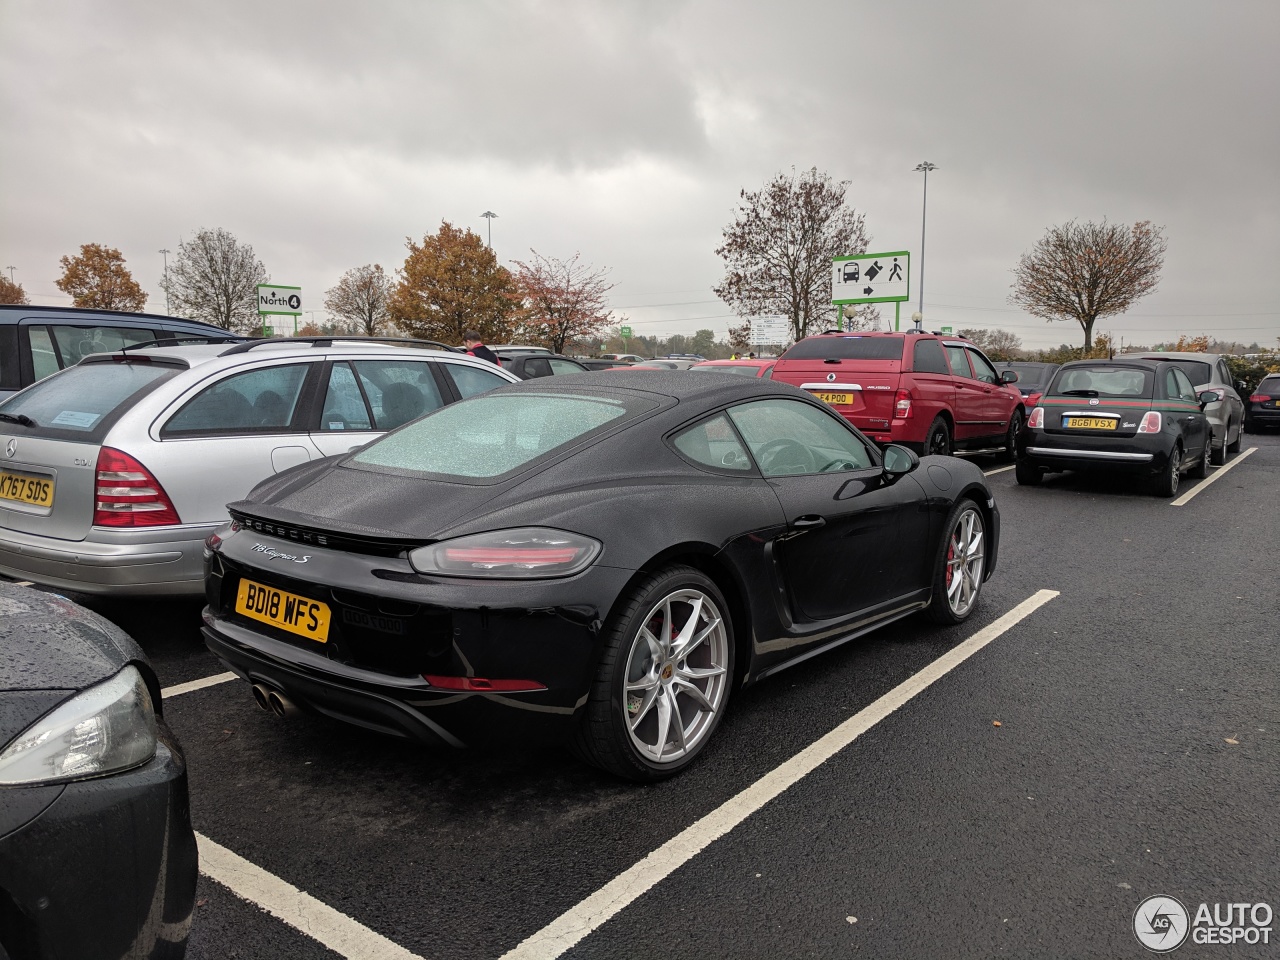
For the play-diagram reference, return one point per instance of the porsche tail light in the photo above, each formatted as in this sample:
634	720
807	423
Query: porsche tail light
1036	420
126	494
1151	422
483	684
524	553
902	405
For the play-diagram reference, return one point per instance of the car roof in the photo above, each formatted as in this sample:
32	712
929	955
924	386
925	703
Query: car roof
196	354
676	384
1143	362
745	362
11	312
1185	355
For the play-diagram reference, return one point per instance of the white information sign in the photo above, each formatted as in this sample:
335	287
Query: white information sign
770	330
871	278
275	299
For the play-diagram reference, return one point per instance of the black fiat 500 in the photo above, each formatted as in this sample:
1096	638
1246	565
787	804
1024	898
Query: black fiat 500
599	559
1131	416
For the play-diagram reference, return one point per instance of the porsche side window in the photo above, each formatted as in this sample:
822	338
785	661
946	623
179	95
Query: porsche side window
792	437
714	444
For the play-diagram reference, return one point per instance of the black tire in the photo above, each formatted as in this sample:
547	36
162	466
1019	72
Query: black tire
1011	437
1166	484
943	606
1234	445
607	737
1218	455
938	439
1027	474
1201	469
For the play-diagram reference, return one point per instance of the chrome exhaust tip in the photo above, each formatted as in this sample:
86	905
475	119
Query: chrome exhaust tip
261	694
282	706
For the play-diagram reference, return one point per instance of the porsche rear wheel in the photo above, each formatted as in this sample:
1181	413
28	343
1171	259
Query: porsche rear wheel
664	678
960	566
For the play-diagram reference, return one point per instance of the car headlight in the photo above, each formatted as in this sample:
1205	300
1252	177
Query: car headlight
525	553
105	729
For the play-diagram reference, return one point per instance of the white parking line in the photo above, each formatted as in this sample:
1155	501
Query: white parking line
992	473
569	928
299	910
180	688
1212	477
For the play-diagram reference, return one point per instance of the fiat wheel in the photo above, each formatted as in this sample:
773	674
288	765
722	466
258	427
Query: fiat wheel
1167	482
1201	469
664	679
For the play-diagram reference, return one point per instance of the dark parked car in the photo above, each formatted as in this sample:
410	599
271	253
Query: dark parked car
530	366
1131	416
97	854
38	341
1032	378
599	363
936	394
598	557
1264	404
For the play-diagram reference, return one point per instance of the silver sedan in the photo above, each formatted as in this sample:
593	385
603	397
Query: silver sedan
113	472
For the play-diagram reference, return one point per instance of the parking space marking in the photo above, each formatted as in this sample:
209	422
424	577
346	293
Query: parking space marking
180	688
1212	477
569	928
24	583
992	473
298	909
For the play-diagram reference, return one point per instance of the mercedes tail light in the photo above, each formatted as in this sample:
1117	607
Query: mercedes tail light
1151	422
1036	420
126	494
902	405
525	553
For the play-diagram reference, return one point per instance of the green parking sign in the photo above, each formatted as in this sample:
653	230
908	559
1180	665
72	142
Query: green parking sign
625	332
946	330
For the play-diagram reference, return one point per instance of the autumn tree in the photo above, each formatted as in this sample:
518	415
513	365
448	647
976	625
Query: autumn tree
1085	271
362	297
98	278
740	337
451	283
778	250
11	292
214	278
562	300
996	344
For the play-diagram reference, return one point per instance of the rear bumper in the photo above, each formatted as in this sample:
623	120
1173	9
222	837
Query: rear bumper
1123	455
105	869
117	562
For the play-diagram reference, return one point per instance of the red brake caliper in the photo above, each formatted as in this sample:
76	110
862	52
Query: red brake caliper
951	555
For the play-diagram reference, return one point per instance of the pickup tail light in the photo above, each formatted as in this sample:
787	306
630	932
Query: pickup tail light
902	405
1151	422
126	494
1036	420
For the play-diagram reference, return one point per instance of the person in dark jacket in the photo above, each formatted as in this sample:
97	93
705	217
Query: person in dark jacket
476	347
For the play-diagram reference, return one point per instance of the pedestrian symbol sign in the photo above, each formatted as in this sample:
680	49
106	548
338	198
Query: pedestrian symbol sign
871	278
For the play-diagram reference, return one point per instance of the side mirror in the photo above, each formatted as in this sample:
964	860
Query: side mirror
899	461
1009	376
1207	398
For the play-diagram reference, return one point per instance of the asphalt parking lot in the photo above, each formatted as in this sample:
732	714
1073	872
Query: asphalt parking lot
1110	740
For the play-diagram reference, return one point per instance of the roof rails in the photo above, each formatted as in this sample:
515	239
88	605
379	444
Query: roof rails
176	340
331	340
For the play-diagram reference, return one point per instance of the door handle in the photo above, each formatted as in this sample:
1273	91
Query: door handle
810	521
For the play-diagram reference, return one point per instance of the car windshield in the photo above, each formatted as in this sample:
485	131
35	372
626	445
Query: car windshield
490	435
1270	386
1103	381
741	369
1198	373
81	402
847	348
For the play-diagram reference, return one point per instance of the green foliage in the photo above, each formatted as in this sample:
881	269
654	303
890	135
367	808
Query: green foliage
1251	370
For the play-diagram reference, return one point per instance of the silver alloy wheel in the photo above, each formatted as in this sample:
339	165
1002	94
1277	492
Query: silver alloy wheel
677	676
966	555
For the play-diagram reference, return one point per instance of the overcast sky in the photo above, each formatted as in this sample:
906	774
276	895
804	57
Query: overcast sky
323	134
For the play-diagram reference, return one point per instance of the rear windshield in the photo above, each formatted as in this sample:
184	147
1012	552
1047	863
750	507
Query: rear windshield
1029	374
488	436
82	402
1198	373
847	348
1103	381
1270	386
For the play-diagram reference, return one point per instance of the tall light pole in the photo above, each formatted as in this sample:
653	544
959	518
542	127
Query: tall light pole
10	269
490	215
924	209
166	280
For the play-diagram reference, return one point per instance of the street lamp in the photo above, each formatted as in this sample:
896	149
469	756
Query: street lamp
10	269
166	280
924	206
490	215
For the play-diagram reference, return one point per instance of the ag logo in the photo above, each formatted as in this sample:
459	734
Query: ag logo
1093	402
1161	923
831	378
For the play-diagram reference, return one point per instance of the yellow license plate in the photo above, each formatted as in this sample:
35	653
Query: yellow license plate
287	611
25	488
1088	423
842	398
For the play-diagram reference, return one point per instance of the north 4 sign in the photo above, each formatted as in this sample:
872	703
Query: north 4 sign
871	278
273	299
